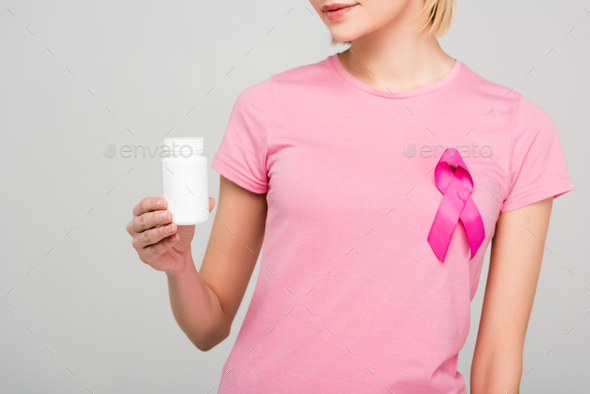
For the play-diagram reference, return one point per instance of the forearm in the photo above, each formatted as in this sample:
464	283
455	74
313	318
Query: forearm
496	371
196	308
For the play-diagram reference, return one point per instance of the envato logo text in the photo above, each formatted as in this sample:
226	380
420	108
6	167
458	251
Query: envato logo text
465	150
128	151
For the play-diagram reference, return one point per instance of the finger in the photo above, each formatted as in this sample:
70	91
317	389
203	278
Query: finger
149	204
211	203
159	248
150	220
152	236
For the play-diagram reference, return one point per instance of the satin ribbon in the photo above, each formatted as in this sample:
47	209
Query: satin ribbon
456	205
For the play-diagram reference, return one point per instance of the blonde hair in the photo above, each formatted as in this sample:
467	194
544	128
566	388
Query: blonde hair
437	14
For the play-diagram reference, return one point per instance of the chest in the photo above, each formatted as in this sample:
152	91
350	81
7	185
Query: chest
356	168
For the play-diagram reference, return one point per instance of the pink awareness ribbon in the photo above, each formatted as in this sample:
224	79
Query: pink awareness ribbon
456	205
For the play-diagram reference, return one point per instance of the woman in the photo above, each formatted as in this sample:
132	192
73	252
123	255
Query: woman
374	228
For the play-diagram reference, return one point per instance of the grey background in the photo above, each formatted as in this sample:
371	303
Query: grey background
88	316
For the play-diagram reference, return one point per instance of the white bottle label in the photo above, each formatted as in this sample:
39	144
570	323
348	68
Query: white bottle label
185	187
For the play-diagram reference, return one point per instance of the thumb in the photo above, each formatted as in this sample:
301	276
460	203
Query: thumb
186	236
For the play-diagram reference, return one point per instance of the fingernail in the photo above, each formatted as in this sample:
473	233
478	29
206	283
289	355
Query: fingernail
176	237
164	215
168	229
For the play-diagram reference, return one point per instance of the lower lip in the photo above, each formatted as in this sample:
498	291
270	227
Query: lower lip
339	13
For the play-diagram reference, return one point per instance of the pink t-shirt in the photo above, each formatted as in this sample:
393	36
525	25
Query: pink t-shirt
350	296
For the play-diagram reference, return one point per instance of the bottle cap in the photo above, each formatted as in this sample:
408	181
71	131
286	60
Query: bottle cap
184	146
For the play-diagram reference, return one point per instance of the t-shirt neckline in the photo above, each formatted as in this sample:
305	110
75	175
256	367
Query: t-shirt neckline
335	61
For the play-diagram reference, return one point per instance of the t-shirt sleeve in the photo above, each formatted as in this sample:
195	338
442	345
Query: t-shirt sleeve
538	168
242	154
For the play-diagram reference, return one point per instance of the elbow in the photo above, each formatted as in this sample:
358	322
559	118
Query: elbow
208	342
204	346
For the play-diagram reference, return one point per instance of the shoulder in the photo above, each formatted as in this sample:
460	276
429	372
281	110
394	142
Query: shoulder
486	87
288	82
523	113
531	115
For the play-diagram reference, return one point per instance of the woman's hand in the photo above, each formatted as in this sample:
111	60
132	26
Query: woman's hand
159	242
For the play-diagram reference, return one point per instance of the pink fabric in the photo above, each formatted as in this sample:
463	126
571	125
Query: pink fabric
350	297
456	205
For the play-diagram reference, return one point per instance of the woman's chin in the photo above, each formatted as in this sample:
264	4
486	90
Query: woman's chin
343	38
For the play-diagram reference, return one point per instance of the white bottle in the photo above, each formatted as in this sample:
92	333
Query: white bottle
185	176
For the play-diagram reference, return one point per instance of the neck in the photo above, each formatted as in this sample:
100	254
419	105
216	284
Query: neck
397	55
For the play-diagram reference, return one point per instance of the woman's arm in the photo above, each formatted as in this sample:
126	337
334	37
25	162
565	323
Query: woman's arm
204	303
515	263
